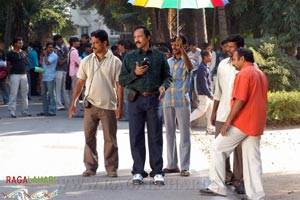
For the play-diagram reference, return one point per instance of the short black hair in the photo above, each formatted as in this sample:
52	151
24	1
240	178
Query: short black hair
237	39
204	53
85	35
182	37
101	35
224	41
16	39
49	43
123	43
56	37
246	53
145	29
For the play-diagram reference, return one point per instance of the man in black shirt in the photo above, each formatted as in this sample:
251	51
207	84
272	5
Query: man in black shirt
17	63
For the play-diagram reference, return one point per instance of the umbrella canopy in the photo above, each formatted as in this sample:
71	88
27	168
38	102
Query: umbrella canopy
179	4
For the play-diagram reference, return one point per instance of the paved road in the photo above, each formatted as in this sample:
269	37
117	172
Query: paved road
53	146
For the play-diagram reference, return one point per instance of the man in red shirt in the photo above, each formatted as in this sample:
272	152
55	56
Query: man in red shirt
245	125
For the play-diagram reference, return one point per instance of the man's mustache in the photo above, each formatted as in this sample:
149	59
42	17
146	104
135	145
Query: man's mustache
137	42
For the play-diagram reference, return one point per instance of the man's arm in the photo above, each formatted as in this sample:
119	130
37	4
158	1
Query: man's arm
236	108
213	117
75	96
119	112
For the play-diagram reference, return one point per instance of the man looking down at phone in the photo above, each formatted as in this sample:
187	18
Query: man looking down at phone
147	83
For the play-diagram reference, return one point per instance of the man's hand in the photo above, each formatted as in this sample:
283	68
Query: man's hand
224	129
140	70
71	111
213	118
119	112
162	92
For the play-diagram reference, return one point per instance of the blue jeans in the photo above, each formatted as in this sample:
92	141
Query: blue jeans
49	104
4	90
146	109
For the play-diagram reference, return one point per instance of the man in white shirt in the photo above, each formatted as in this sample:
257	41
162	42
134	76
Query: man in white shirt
221	108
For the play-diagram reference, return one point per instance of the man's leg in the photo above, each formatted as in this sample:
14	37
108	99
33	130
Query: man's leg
238	180
109	124
154	130
51	93
229	175
91	124
169	119
201	109
58	89
222	147
137	116
253	168
14	87
184	124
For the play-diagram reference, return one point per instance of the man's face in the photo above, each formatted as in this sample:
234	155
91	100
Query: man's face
50	49
121	48
59	41
19	44
208	58
98	46
84	40
140	39
236	61
231	47
175	48
224	48
192	48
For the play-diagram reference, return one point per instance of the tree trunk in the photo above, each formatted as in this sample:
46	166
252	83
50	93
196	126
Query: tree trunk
159	22
172	14
201	32
223	32
8	26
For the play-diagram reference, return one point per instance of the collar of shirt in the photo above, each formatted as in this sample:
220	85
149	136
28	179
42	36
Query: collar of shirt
149	51
108	54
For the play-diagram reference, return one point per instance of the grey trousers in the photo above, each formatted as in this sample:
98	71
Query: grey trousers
182	116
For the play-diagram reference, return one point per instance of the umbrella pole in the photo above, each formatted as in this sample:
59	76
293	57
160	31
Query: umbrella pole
177	22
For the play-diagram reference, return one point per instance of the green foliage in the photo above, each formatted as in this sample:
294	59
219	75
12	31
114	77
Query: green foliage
283	108
283	71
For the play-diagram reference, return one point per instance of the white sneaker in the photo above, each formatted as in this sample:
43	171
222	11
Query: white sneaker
137	179
158	179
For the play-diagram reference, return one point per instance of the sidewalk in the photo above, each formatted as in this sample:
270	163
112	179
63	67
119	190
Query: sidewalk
53	146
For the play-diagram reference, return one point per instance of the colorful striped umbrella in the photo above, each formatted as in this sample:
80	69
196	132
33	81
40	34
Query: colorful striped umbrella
179	4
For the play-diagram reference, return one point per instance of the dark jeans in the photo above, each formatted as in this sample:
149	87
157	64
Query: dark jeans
146	109
34	78
4	90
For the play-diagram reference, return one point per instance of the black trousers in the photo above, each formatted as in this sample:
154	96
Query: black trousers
146	110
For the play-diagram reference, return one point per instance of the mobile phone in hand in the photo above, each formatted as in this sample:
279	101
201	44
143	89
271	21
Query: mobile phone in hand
146	62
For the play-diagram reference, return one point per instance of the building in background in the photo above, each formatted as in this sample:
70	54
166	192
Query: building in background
88	20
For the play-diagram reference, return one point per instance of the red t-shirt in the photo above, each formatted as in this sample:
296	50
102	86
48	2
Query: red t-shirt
251	86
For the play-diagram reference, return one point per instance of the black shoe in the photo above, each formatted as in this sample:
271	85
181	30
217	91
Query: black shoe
208	192
41	114
13	115
51	114
88	173
240	189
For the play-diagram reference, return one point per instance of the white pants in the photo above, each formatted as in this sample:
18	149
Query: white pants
205	106
18	81
60	90
222	147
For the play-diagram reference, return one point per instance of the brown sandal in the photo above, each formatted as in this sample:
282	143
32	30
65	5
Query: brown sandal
169	171
184	173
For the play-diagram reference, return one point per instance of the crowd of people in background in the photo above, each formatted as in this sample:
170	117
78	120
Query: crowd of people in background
147	84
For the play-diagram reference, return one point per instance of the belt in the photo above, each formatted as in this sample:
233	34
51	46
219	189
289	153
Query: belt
146	94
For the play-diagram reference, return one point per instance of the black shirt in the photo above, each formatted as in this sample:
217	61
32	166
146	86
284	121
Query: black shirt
19	62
